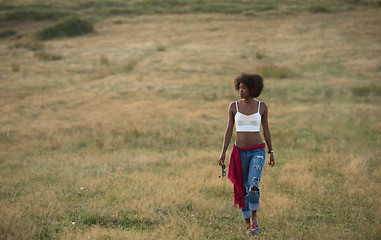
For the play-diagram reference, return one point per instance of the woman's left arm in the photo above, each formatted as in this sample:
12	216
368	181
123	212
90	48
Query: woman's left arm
266	132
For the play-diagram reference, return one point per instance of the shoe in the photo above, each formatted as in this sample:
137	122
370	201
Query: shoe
253	229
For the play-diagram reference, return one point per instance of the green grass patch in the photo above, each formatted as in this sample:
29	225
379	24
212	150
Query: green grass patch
45	56
28	44
273	71
367	90
118	221
70	27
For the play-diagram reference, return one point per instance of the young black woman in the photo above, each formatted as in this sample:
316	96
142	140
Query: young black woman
248	154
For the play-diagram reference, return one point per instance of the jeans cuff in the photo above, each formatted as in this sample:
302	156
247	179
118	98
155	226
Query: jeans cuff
245	214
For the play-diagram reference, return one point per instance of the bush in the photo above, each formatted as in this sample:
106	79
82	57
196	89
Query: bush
118	22
217	8
70	27
319	9
129	67
7	32
23	15
161	48
123	11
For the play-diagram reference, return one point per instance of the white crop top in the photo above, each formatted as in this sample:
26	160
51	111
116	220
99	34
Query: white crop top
247	123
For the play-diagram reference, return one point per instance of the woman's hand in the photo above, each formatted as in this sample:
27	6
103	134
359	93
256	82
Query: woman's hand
221	159
271	161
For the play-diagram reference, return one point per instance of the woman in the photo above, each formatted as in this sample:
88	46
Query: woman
248	154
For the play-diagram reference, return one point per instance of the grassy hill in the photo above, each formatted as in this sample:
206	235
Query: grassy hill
23	10
116	134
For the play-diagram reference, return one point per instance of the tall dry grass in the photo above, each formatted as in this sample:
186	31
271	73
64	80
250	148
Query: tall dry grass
89	150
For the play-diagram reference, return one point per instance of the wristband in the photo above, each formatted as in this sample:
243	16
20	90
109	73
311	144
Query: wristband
271	152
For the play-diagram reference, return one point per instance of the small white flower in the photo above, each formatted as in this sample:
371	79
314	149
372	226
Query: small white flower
73	223
82	188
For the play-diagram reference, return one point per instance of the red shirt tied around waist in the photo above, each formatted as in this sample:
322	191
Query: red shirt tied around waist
235	174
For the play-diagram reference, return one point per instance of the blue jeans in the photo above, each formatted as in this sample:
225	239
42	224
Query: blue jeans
252	165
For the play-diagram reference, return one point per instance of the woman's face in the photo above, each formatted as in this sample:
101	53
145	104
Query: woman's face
243	91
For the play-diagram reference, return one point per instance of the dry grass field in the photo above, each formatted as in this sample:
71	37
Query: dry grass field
116	134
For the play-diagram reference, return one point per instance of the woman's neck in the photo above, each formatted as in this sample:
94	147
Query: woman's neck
248	100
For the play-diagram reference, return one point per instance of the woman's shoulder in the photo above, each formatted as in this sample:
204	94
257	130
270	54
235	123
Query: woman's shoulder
263	105
232	104
233	107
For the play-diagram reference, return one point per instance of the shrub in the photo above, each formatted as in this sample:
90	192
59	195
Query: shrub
15	67
129	67
161	48
7	32
6	6
104	60
42	55
117	22
259	55
23	15
319	9
70	27
217	8
123	11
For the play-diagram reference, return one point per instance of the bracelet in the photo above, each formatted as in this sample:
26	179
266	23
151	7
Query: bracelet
271	152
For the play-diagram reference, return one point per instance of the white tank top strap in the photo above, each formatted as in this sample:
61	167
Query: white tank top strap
236	106
259	105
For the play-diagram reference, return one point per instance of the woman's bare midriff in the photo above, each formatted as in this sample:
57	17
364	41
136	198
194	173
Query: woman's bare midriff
247	139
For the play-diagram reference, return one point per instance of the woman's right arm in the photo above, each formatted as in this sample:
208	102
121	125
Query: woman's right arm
228	134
